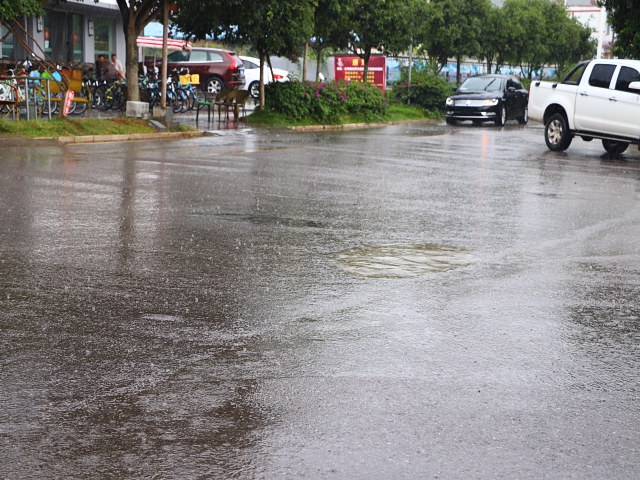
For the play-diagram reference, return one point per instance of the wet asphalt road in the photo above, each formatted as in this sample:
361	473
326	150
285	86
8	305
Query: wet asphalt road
177	309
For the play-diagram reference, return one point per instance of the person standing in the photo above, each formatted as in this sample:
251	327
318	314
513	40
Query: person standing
118	66
100	66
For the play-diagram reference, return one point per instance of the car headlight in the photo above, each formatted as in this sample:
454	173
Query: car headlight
491	101
449	101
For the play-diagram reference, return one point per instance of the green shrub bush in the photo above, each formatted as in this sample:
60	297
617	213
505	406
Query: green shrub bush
427	90
324	102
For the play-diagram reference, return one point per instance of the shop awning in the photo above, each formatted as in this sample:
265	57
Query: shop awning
172	43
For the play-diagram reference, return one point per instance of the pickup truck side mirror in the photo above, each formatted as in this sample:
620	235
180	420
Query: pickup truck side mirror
634	86
454	89
511	89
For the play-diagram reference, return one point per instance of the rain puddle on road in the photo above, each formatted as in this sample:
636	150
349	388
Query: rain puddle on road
270	220
403	260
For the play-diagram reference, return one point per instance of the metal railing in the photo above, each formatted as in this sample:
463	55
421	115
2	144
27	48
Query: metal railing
24	84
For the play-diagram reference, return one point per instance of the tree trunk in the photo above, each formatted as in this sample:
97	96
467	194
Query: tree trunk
488	65
261	55
273	77
131	68
304	61
367	56
318	63
458	73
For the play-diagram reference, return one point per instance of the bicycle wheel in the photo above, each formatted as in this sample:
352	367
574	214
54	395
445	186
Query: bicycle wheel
186	100
119	99
109	97
99	96
176	102
81	107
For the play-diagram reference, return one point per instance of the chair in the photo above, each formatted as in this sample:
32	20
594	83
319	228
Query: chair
209	98
241	103
228	103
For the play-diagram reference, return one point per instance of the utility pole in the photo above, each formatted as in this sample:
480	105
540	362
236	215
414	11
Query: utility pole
165	40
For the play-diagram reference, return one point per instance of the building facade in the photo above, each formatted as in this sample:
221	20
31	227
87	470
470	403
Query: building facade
73	31
591	15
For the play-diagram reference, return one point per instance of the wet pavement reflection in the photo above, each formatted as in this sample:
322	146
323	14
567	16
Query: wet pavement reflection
416	301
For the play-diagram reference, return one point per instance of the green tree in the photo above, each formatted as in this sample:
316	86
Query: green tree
624	17
271	27
494	38
452	28
569	41
331	28
527	46
136	14
383	25
11	10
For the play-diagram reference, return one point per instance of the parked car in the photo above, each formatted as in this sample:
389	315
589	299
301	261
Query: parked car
252	75
484	98
218	69
597	99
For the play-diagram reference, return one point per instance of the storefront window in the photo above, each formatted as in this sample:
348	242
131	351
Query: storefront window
102	36
7	44
47	33
78	38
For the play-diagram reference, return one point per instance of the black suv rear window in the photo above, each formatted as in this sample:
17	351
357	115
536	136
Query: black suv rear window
601	75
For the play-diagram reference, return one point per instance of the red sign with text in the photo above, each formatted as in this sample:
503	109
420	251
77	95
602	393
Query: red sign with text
68	100
351	69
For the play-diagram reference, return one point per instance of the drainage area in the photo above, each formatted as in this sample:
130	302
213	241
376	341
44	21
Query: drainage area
403	260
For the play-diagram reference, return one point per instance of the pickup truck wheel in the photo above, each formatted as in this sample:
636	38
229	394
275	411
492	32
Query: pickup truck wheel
614	147
524	118
451	121
501	118
556	133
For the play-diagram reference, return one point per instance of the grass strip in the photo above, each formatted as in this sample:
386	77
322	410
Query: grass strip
65	127
395	113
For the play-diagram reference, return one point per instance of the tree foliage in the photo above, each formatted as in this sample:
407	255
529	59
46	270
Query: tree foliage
383	25
528	33
624	17
10	9
136	14
271	27
330	27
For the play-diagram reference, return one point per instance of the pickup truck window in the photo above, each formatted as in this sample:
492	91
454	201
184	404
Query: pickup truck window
575	75
625	77
601	75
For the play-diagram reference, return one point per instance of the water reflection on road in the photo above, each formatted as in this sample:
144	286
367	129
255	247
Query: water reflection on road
413	301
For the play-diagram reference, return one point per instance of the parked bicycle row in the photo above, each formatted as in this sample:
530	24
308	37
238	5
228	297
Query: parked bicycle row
42	90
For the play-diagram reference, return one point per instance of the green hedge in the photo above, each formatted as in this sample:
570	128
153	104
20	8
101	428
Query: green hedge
324	102
428	91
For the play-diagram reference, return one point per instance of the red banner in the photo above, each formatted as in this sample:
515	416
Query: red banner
68	100
351	69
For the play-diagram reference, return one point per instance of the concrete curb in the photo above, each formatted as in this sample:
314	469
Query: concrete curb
354	126
128	137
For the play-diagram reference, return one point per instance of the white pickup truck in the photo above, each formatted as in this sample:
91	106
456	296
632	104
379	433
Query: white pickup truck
598	99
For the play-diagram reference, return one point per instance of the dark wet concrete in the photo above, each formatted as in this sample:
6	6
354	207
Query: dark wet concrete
176	310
